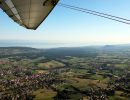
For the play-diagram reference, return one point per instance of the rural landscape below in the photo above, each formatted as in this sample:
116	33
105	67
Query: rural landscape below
64	49
67	73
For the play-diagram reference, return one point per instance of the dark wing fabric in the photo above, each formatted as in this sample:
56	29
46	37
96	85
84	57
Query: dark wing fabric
28	13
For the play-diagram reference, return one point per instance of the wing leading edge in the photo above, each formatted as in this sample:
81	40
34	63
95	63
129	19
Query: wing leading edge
28	13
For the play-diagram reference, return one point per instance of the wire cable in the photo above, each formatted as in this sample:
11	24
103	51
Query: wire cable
95	12
111	17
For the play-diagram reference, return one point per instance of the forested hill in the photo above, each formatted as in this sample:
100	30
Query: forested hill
16	50
70	51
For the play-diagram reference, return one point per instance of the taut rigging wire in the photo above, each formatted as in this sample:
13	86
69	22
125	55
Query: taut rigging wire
92	12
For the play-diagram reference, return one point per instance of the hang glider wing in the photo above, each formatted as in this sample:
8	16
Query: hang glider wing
28	13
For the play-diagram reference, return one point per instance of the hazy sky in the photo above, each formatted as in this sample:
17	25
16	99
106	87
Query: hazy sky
68	26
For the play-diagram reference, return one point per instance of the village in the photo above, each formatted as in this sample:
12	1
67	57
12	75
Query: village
68	78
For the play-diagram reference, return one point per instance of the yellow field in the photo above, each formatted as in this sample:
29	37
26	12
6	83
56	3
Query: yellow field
51	64
80	83
44	94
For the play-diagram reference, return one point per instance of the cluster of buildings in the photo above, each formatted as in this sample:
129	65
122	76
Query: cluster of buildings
22	87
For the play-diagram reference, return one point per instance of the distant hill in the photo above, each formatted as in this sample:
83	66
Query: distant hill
16	50
67	51
89	50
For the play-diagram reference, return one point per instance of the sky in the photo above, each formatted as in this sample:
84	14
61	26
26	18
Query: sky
67	26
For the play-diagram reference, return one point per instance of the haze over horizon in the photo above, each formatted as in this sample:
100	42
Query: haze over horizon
44	44
64	26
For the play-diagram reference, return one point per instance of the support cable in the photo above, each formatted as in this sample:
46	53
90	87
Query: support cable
92	12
